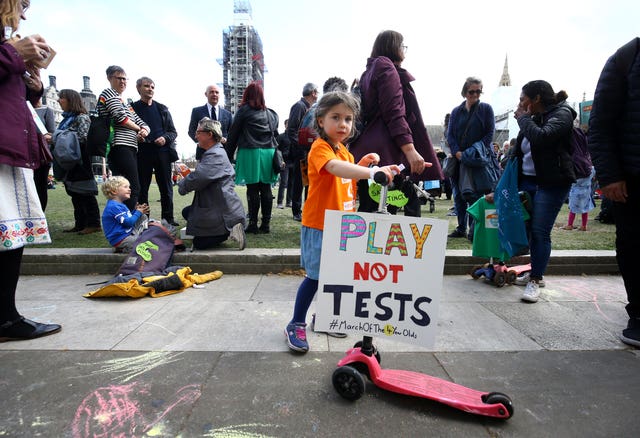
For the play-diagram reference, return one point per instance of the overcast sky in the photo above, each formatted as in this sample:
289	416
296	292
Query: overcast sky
565	42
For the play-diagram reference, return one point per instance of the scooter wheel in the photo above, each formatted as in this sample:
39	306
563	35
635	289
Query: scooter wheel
476	272
499	279
499	398
511	277
376	353
348	382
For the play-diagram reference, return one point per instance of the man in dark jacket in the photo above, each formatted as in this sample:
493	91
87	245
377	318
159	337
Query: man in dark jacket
296	114
614	144
157	150
214	111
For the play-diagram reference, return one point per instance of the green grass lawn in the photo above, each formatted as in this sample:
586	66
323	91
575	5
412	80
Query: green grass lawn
285	232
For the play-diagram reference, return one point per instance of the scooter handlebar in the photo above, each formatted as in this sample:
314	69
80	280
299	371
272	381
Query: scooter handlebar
381	178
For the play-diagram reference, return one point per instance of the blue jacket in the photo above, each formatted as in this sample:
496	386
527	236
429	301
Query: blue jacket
118	221
614	123
481	128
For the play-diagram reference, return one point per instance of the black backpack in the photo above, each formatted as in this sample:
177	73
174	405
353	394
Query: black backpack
100	135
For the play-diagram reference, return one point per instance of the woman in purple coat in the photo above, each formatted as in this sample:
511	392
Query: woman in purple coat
393	126
22	220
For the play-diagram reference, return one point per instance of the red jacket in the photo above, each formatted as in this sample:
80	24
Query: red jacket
18	133
392	118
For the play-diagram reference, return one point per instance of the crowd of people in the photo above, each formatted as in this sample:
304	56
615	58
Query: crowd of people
329	142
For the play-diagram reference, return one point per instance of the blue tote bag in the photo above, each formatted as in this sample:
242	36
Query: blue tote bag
511	215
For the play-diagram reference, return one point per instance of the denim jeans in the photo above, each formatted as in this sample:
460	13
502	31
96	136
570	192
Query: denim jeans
464	219
547	202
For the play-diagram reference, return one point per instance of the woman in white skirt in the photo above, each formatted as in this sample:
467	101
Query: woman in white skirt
22	220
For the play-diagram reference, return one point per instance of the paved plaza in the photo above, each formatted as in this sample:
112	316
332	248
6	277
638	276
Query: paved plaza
212	362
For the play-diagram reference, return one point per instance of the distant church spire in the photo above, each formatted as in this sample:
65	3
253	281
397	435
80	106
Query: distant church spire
505	80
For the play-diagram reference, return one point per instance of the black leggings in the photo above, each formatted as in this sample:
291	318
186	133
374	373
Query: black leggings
10	262
123	161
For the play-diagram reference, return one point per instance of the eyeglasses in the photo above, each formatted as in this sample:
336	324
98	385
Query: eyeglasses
404	48
472	92
25	5
120	78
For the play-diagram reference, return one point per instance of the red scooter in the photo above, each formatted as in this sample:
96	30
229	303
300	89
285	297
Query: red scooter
364	360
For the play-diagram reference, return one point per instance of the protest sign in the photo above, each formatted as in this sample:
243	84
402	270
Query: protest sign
381	275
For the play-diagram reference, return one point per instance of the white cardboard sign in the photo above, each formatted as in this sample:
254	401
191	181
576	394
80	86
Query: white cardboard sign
381	275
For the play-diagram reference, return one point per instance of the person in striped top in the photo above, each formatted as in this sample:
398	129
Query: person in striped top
129	129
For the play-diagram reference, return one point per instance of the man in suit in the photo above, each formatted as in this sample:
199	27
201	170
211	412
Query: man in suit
212	110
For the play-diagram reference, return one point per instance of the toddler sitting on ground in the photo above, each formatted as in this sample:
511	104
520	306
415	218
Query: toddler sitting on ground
121	227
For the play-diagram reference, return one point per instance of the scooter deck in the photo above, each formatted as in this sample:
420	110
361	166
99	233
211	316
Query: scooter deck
519	269
425	386
442	391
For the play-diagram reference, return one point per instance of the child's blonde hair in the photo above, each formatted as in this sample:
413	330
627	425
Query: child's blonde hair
110	186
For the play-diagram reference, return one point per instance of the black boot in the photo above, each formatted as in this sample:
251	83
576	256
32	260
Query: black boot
253	201
266	201
264	226
252	228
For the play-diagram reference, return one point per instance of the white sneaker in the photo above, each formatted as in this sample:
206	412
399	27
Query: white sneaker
237	234
531	292
524	279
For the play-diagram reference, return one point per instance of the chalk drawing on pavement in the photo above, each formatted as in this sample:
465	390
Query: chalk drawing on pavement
129	368
240	431
115	411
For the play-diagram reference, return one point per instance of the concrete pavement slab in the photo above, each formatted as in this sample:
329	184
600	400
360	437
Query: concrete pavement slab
557	394
249	312
208	394
566	325
212	362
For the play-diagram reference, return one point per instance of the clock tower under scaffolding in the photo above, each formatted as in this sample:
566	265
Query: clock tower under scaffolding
242	60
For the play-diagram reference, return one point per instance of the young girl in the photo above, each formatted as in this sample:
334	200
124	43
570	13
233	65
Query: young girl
580	201
331	187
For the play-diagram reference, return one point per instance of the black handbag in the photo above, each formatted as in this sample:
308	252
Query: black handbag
449	166
173	153
278	161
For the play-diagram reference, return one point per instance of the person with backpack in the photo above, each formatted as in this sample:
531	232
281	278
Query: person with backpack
545	170
79	181
614	143
298	153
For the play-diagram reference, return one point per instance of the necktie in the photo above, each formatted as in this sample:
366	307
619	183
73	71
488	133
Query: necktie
213	113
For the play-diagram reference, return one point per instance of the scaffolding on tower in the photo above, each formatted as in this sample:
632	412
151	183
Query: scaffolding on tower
243	60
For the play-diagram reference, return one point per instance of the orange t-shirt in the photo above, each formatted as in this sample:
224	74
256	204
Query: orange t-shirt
326	191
